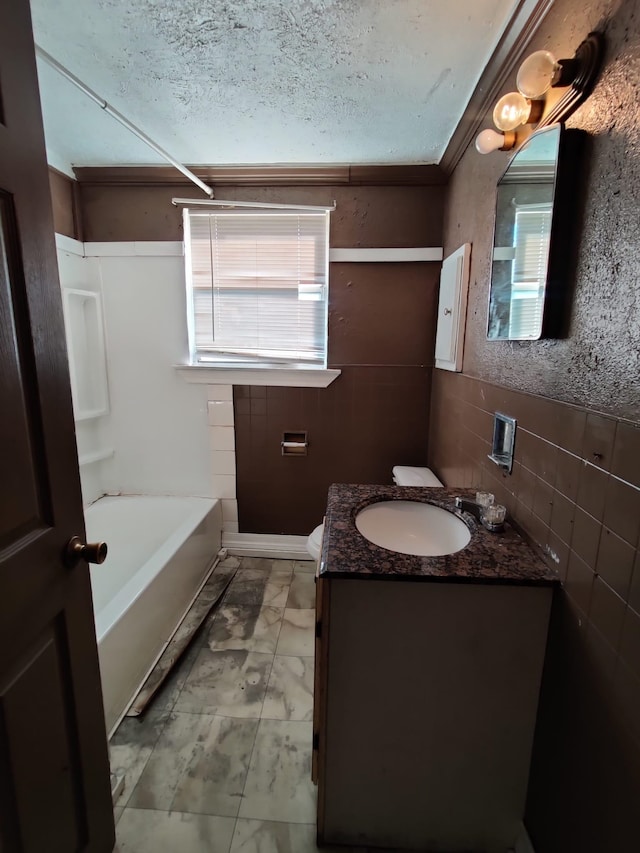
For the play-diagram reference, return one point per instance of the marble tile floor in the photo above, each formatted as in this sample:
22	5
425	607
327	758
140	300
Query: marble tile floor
209	595
221	760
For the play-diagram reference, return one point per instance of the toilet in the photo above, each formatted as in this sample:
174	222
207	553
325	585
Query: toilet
403	475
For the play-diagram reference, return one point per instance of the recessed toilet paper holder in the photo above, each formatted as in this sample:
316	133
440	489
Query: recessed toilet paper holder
294	443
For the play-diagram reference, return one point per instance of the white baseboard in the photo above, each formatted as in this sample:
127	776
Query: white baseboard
523	844
271	546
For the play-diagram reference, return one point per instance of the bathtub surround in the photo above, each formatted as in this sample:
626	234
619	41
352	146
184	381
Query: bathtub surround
143	444
93	442
575	487
152	447
158	424
223	457
152	440
119	451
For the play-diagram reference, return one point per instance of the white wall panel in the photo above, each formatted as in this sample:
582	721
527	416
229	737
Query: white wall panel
158	422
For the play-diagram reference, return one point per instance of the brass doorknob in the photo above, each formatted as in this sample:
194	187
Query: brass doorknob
76	550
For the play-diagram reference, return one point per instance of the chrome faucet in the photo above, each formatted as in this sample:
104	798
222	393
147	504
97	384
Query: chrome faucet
476	510
466	505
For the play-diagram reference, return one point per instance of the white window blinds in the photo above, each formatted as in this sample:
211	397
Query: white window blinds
257	286
529	271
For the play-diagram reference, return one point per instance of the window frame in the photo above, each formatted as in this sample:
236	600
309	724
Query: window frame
202	359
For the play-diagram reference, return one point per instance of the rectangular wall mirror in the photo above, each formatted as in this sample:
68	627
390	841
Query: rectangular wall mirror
530	245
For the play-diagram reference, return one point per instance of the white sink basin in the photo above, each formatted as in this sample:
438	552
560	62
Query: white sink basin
411	527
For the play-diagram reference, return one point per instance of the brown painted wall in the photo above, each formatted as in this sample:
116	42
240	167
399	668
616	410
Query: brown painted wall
396	215
381	335
598	363
381	332
575	489
63	203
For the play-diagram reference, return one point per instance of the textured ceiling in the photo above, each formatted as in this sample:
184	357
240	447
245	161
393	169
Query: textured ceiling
263	81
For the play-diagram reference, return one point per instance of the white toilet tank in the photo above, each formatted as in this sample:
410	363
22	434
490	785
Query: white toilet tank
403	475
408	475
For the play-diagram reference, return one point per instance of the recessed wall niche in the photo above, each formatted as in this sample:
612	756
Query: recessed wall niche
86	350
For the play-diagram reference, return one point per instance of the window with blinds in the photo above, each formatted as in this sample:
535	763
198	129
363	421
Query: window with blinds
529	270
257	286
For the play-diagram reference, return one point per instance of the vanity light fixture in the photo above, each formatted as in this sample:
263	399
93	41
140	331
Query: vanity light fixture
514	109
537	74
540	72
490	140
511	111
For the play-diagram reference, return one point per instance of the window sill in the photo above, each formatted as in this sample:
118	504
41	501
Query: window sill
292	377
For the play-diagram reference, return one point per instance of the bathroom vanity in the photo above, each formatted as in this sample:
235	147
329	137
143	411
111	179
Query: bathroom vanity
427	678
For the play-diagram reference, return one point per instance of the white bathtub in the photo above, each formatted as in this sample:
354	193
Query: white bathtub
160	549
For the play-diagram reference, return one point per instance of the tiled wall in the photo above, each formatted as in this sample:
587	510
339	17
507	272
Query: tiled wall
223	453
366	421
381	336
575	490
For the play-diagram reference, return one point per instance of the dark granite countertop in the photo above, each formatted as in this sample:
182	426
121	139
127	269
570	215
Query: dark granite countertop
488	558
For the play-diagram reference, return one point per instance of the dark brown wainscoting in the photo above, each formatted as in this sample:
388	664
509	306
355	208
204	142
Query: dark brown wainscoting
575	490
369	419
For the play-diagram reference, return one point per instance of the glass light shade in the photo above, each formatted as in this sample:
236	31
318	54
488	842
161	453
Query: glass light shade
511	111
488	140
536	74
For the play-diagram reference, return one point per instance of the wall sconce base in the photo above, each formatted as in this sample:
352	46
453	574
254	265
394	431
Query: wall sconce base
576	75
579	75
510	137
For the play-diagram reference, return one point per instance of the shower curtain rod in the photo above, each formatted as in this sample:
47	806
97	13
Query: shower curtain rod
124	121
218	202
